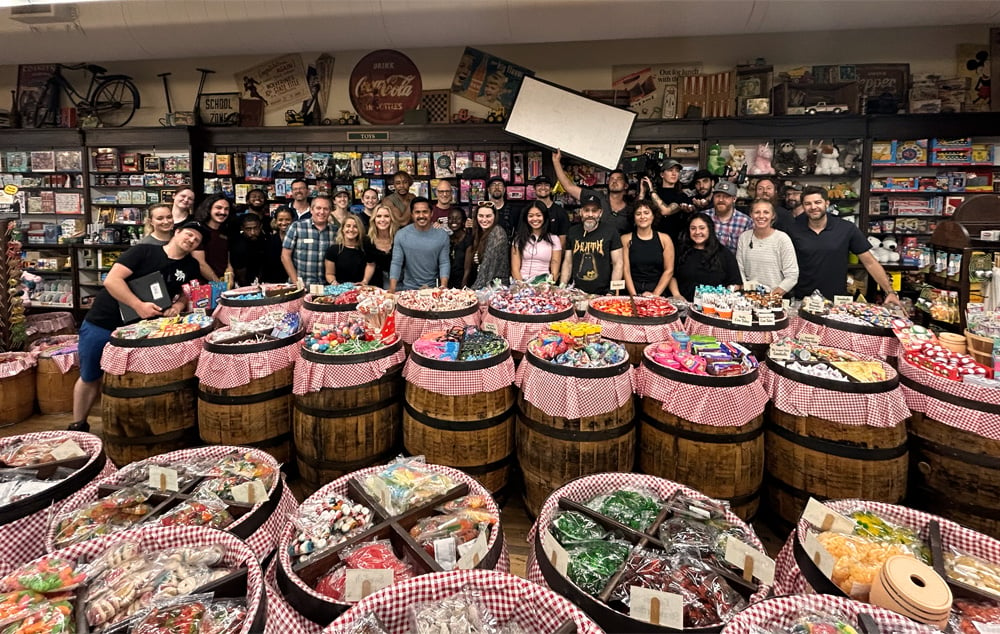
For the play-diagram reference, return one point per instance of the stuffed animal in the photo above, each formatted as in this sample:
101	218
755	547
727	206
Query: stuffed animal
786	161
851	158
812	156
737	160
762	161
716	164
828	161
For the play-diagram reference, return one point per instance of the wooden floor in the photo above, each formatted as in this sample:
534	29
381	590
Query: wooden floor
515	519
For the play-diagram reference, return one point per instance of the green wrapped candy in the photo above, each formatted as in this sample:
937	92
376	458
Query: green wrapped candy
873	527
634	509
592	564
571	527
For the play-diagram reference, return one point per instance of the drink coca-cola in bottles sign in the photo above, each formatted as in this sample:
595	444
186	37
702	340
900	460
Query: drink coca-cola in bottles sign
384	84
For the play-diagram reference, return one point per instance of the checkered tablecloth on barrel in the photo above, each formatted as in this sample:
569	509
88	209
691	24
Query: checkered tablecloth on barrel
262	541
285	618
574	397
313	377
633	333
460	382
412	328
225	314
43	324
153	538
695	327
788	578
65	362
150	360
508	598
24	539
715	406
517	333
783	612
310	317
883	409
281	617
585	488
226	371
830	335
14	363
978	422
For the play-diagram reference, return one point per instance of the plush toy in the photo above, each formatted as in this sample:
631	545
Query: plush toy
828	160
842	190
786	161
812	156
762	161
716	164
737	160
851	158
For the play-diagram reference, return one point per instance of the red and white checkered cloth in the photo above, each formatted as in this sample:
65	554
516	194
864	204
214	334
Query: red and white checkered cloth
519	333
508	598
788	579
714	406
976	421
24	539
226	314
49	323
153	538
783	612
14	363
460	382
883	409
412	328
65	362
633	333
282	618
830	335
262	541
695	327
587	487
226	371
574	397
286	619
310	317
313	377
152	359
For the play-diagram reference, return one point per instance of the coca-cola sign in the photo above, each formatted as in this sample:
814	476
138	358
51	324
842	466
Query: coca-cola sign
384	84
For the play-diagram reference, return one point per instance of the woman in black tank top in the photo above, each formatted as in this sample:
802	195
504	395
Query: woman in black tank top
648	255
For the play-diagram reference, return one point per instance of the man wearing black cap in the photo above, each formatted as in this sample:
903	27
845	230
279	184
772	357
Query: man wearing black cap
558	218
593	257
767	189
729	223
793	198
176	267
617	213
507	213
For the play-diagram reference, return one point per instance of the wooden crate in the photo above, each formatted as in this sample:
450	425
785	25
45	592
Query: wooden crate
714	94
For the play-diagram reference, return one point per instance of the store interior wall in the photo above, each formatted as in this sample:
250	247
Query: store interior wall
576	65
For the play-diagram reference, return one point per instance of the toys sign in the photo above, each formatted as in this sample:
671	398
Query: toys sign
385	84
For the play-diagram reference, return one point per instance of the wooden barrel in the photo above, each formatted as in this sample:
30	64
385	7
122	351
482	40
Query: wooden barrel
725	463
339	430
806	456
55	388
634	348
882	338
17	392
314	312
148	414
474	433
552	450
412	324
258	414
955	473
250	309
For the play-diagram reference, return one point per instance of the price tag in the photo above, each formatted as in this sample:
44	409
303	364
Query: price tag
359	583
316	289
491	328
779	352
819	555
656	607
751	561
555	553
445	552
809	339
743	318
200	312
618	285
67	450
826	519
10	190
842	299
162	478
250	492
813	304
987	628
474	554
765	318
786	304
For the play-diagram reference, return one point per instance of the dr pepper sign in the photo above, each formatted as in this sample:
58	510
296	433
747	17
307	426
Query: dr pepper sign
384	84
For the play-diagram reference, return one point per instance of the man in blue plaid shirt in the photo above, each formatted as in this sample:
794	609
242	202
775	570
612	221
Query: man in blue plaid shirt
729	223
306	243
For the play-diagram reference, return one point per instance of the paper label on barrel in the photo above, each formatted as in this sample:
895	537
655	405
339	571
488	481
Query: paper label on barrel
656	607
491	328
987	628
779	352
742	318
813	304
444	552
819	555
809	339
476	551
618	285
359	583
738	554
555	553
842	299
316	289
162	478
765	318
251	492
67	450
200	312
826	519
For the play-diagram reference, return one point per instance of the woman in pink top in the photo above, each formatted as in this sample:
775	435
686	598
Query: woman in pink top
535	251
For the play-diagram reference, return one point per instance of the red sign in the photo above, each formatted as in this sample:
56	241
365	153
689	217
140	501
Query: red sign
384	84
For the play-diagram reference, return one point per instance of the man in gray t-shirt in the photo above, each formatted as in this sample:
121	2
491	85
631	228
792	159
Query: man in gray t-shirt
419	252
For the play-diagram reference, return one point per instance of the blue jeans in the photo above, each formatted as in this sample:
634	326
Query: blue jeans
90	347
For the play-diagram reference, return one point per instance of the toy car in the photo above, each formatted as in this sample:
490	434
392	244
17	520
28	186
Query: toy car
835	108
348	118
496	116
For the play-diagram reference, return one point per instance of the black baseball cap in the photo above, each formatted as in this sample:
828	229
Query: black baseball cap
700	174
670	164
496	179
591	199
543	179
194	225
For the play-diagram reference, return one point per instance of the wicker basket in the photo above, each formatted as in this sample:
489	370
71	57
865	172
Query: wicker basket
980	347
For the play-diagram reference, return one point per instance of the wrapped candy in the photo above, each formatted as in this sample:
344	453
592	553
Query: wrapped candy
974	571
371	556
406	483
245	466
634	508
967	614
591	564
529	300
582	348
120	510
21	452
50	617
570	527
437	299
824	622
326	522
347	336
460	344
462	613
204	509
871	526
858	561
46	575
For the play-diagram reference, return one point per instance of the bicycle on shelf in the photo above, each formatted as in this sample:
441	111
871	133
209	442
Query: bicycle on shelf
110	99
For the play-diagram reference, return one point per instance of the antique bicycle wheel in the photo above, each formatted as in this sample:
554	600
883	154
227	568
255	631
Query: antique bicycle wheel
115	102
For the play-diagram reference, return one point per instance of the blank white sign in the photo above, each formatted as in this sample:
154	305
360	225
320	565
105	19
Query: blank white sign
578	126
